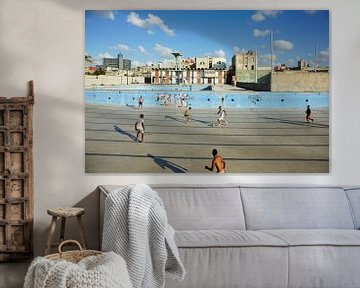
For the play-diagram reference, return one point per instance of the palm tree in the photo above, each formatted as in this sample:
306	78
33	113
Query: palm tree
88	58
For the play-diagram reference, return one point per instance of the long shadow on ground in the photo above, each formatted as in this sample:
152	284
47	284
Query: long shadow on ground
123	132
201	121
174	118
317	125
182	120
167	164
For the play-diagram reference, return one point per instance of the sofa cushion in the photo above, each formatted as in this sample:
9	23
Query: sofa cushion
296	208
225	267
202	207
315	237
322	258
324	266
226	238
191	207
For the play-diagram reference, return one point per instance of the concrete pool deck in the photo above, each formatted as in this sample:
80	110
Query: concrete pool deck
255	140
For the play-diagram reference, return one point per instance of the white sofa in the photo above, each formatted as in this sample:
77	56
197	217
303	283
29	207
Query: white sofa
248	236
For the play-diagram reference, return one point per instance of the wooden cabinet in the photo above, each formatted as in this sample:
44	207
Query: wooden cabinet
16	177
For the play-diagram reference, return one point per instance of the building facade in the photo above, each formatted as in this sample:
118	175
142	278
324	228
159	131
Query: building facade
188	76
245	67
218	63
126	64
199	70
113	63
302	64
167	64
202	63
188	63
118	63
210	63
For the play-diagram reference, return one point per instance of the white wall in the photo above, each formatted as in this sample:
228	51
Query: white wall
43	40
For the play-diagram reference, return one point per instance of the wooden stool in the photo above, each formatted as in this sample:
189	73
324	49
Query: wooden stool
64	213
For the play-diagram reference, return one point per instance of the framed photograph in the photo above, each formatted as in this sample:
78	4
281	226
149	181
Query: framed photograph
207	91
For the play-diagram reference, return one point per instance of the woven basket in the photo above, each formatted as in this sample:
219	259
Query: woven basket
72	256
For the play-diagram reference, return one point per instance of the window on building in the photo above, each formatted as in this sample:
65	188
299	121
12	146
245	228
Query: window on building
252	67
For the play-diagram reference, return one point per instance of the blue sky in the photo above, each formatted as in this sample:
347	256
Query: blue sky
149	36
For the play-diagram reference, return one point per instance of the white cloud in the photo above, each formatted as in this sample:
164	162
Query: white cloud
310	12
142	49
283	45
163	51
261	15
237	50
258	17
98	59
149	22
219	53
150	32
134	19
267	58
157	21
261	33
107	14
105	55
271	13
121	47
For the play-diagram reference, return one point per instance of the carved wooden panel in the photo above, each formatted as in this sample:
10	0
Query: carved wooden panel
16	177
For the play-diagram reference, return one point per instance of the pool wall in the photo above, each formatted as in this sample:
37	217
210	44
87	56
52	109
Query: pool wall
209	99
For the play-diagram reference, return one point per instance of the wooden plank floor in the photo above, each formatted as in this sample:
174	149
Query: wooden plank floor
255	141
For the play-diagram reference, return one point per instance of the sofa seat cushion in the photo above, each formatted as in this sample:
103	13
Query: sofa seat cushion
225	238
233	267
317	237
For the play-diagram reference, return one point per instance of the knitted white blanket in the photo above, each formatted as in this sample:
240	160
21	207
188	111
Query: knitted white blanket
136	227
103	271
